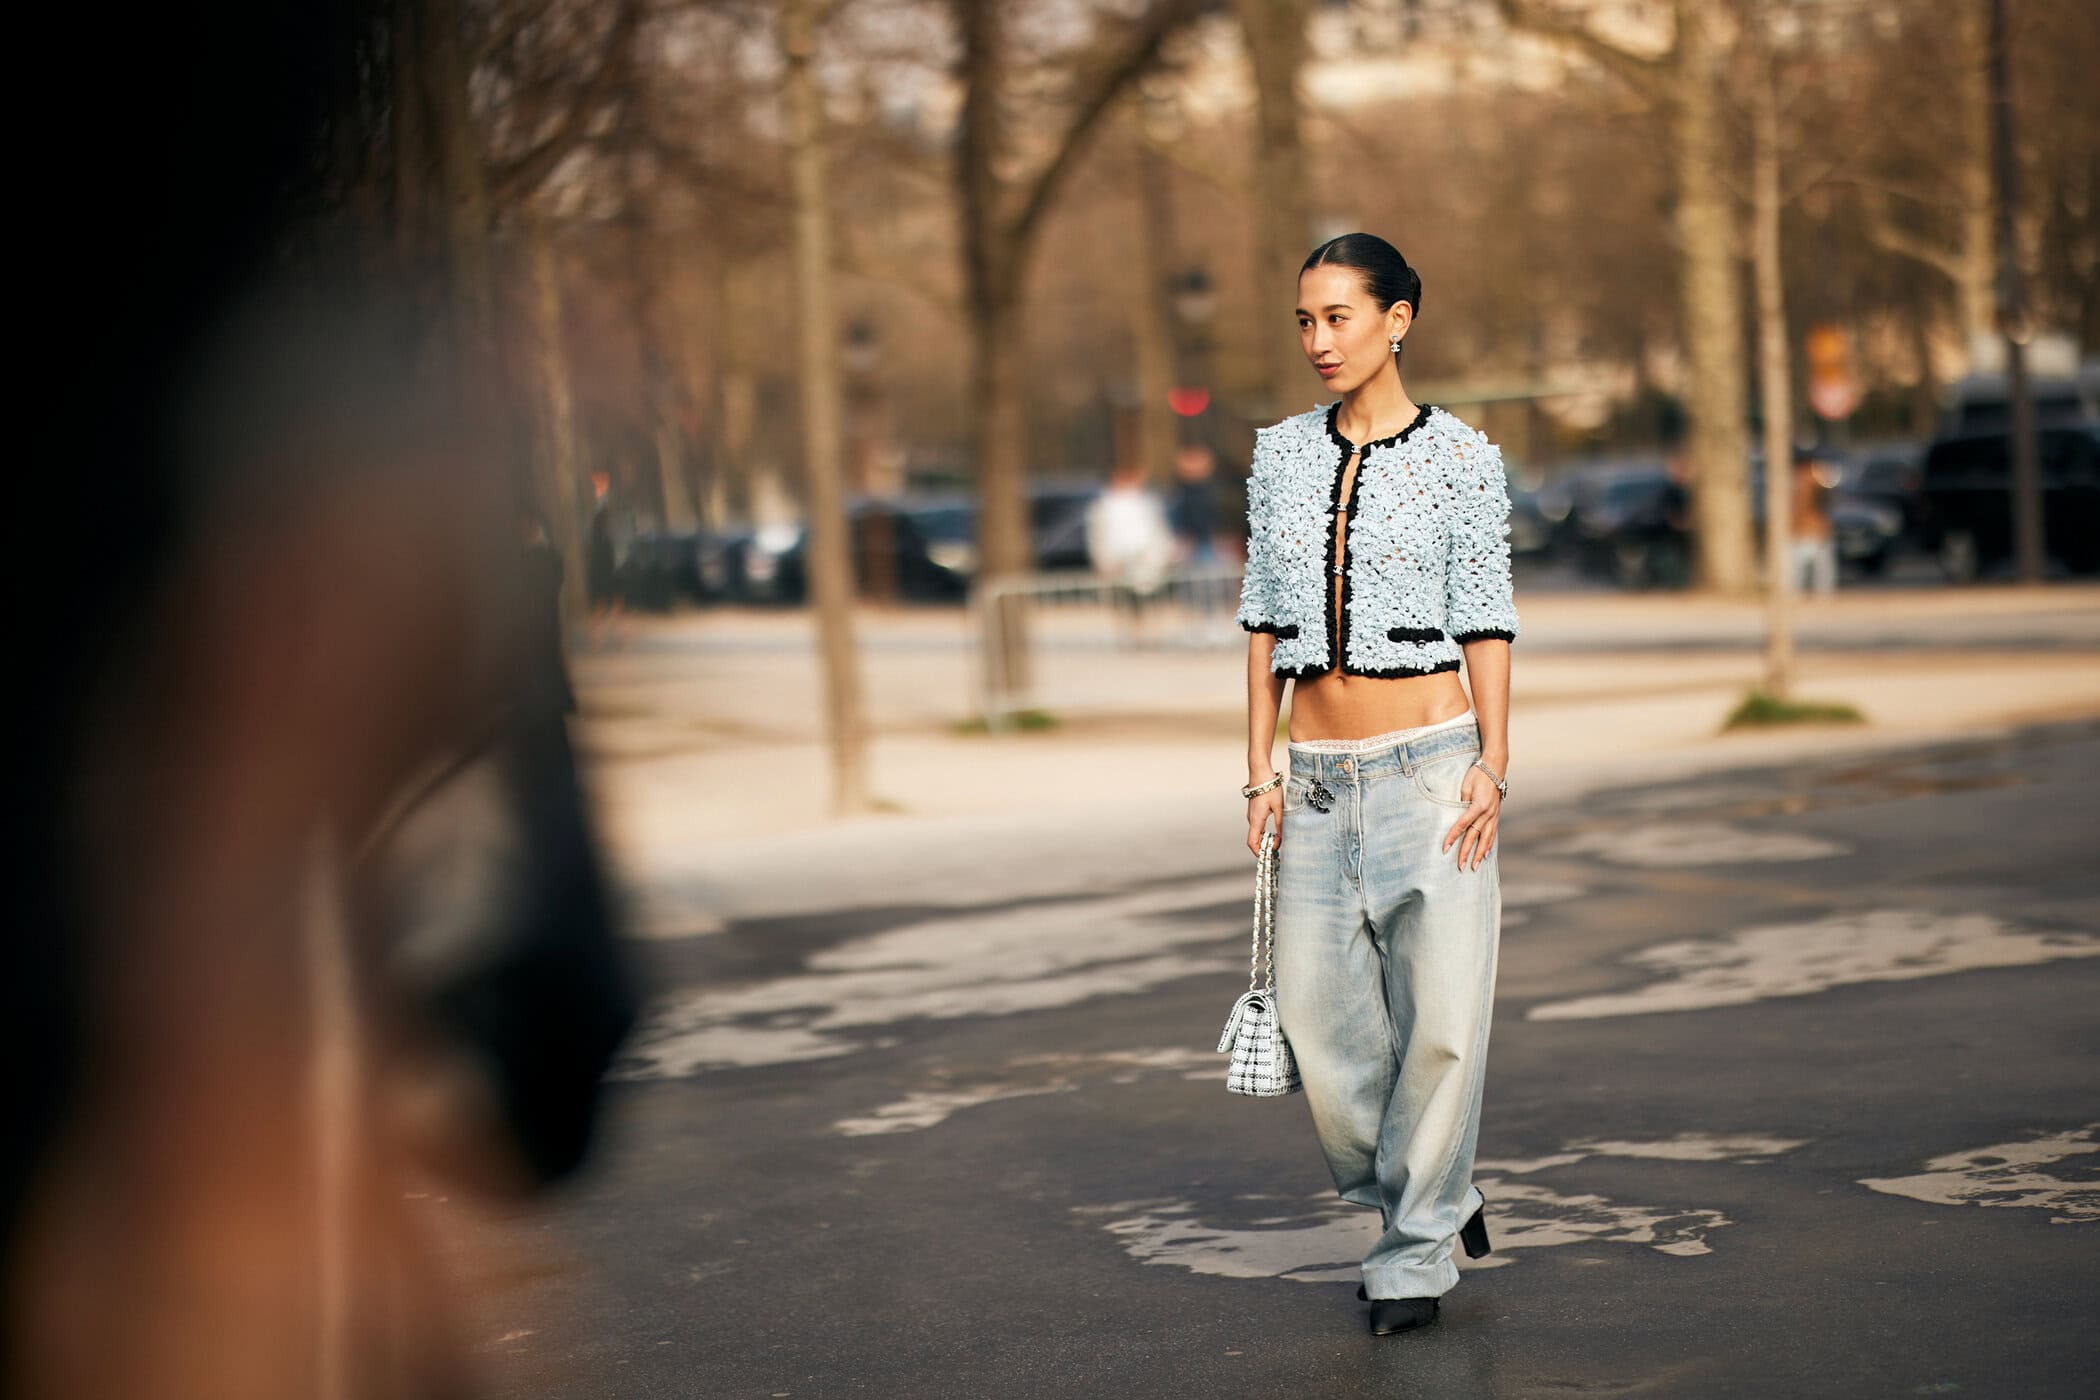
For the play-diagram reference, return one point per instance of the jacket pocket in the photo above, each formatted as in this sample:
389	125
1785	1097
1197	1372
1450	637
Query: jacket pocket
1286	631
1414	634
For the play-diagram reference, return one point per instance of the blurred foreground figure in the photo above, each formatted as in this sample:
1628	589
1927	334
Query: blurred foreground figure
307	913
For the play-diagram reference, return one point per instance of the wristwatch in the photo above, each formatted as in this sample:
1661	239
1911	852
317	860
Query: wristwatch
1260	788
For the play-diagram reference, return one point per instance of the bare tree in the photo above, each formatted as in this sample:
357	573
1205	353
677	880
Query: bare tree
1001	216
1775	381
1274	32
830	565
558	485
1685	82
1943	97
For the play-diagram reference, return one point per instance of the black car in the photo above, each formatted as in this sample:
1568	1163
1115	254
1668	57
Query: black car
1891	478
1966	494
1623	521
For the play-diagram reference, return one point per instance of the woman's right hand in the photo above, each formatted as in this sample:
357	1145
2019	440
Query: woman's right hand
1262	811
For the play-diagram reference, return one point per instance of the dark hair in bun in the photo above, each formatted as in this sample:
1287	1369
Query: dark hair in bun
1386	275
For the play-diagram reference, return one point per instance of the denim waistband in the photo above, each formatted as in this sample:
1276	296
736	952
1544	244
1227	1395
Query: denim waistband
1400	757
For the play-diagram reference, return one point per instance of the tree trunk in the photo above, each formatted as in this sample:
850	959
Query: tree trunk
462	181
1976	256
560	491
1775	385
992	257
2012	312
1275	38
830	569
1001	422
1712	311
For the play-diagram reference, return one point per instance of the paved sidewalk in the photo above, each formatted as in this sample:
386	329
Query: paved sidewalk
709	770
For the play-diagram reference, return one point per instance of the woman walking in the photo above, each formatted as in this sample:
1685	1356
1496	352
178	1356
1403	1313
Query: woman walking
1377	564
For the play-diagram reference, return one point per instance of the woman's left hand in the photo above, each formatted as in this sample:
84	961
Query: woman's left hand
1475	831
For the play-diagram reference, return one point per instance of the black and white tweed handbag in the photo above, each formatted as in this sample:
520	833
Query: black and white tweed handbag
1261	1063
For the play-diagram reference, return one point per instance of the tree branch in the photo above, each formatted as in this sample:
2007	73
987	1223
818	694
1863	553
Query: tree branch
1114	66
517	178
1892	238
1644	73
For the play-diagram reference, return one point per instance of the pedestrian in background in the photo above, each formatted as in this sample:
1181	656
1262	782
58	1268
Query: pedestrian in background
603	584
1815	562
1129	542
1194	509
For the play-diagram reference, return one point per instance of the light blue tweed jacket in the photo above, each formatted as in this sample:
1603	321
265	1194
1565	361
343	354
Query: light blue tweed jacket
1426	564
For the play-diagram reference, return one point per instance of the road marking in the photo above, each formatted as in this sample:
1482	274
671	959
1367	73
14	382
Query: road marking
1782	960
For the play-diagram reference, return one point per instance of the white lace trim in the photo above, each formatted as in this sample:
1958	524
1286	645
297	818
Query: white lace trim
1380	741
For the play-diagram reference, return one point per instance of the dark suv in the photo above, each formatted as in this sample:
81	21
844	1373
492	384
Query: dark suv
1965	495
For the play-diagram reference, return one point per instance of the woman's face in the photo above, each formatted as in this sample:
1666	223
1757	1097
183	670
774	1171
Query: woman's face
1340	326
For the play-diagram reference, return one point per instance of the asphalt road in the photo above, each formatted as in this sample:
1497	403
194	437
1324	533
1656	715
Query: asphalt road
1792	1091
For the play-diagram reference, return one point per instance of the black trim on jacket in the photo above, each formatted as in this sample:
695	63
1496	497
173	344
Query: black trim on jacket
1338	634
1484	634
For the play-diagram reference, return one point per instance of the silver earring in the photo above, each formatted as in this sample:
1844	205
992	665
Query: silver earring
1396	344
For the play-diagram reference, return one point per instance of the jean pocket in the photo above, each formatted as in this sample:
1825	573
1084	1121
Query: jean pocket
1294	791
1442	779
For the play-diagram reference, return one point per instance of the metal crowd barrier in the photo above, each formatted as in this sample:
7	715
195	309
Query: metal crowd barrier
1192	609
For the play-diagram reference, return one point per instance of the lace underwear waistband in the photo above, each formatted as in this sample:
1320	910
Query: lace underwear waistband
1379	741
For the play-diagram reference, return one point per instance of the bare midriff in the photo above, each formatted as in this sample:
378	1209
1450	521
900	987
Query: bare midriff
1337	705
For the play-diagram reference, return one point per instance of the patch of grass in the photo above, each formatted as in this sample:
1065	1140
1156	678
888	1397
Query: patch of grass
1762	711
1026	721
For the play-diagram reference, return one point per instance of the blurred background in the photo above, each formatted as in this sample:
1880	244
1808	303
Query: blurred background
539	507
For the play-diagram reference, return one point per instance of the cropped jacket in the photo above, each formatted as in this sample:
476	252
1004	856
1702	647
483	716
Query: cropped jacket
1426	564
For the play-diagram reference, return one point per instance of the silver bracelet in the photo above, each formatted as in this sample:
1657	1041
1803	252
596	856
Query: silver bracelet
1501	786
1274	779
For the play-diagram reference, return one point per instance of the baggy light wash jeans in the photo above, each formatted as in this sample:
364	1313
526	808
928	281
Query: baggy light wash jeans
1385	980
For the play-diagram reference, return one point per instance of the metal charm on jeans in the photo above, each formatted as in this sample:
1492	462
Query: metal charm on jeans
1262	1063
1318	797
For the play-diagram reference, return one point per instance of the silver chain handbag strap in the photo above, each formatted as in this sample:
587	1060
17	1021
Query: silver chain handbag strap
1264	954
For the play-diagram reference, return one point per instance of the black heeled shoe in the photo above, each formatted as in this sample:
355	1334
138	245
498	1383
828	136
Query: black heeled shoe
1473	1235
1390	1315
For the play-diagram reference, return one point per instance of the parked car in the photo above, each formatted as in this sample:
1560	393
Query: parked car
658	572
1892	477
1967	499
1057	518
1619	520
1981	403
912	544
